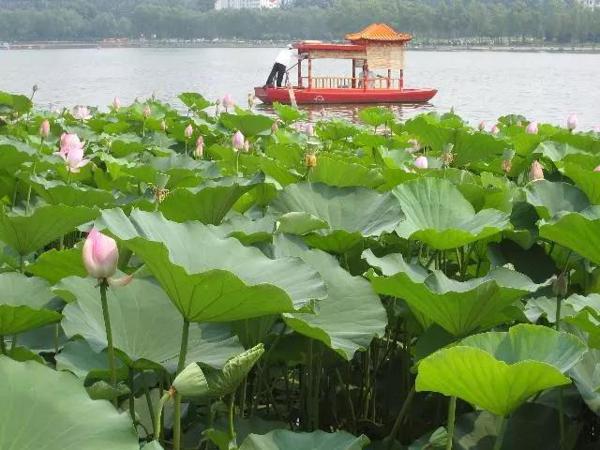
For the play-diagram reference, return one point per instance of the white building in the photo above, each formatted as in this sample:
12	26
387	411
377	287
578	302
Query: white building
250	4
590	3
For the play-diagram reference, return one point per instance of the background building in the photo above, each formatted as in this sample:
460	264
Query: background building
251	4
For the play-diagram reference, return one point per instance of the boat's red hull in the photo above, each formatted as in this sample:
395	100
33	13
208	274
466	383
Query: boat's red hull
344	95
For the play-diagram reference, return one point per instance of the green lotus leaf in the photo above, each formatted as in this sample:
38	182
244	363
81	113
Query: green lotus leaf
438	215
578	231
476	147
17	103
146	328
22	304
27	233
210	278
430	132
13	153
196	102
586	375
351	315
351	213
288	114
376	116
39	404
585	179
500	371
59	193
341	173
336	130
248	124
209	203
317	440
458	307
584	313
82	361
202	381
550	199
54	265
247	231
557	151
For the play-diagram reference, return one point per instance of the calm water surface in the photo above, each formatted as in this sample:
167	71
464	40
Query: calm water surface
479	85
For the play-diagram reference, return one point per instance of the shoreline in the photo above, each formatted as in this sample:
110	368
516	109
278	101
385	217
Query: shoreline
100	45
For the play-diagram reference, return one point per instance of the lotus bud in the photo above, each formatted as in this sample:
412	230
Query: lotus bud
45	128
309	129
199	152
532	128
597	169
100	255
228	102
506	166
69	142
35	88
238	140
163	125
189	131
560	286
495	130
251	100
572	122
310	160
217	107
147	111
421	162
116	103
536	172
481	126
274	127
247	146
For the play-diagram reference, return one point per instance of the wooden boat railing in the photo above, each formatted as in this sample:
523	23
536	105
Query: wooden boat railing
350	82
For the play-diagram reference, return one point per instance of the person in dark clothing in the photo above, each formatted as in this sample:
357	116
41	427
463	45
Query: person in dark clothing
282	62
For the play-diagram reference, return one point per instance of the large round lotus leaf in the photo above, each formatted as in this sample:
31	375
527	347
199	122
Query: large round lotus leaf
500	371
27	233
248	124
57	192
22	303
458	307
586	374
584	313
550	198
317	440
210	278
578	231
584	178
557	151
208	203
430	131
351	315
82	361
198	380
351	213
45	409
438	215
146	327
341	173
54	265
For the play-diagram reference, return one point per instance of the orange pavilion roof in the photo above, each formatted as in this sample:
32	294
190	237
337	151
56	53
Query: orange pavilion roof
379	32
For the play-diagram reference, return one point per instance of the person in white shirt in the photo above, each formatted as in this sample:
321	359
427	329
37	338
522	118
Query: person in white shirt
284	59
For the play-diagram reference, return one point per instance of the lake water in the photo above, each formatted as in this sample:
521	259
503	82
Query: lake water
479	85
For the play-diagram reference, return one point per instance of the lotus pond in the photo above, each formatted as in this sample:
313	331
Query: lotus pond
222	279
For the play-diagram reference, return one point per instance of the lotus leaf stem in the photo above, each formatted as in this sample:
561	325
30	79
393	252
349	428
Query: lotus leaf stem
158	414
501	433
109	338
451	420
400	418
231	424
131	394
2	345
180	366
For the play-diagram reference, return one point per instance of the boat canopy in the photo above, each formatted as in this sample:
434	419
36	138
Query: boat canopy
378	44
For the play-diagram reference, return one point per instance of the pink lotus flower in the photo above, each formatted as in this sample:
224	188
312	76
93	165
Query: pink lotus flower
532	128
147	112
116	103
238	140
100	255
421	162
228	102
495	130
199	152
81	113
69	142
572	122
597	169
188	132
309	129
536	172
75	160
45	128
481	125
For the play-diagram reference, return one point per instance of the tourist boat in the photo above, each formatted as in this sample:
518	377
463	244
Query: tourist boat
376	48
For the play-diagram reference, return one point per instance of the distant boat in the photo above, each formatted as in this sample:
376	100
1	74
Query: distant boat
377	47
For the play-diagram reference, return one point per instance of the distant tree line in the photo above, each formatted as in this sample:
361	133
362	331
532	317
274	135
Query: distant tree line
560	21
